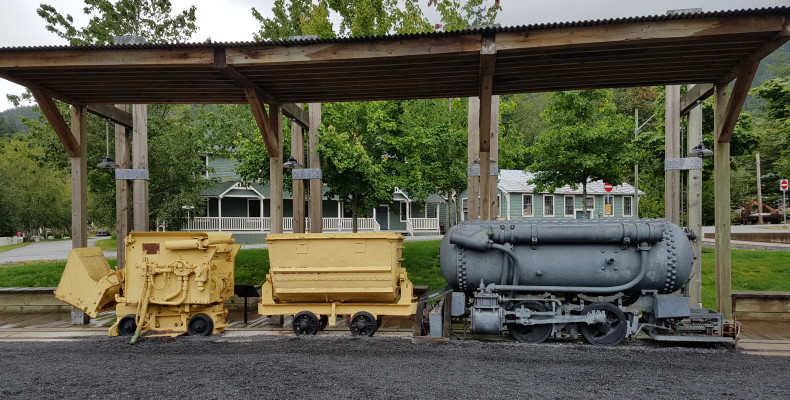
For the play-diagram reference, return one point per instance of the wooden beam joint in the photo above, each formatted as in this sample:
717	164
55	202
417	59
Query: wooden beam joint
290	110
112	113
693	95
58	123
264	122
735	104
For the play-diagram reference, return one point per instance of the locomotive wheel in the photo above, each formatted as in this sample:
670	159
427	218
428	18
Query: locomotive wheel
305	323
529	333
200	325
609	333
323	322
363	324
127	326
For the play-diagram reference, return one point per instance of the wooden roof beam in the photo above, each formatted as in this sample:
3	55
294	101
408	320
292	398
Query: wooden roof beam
112	113
50	110
693	95
781	37
644	32
109	58
291	110
735	104
32	86
332	52
266	125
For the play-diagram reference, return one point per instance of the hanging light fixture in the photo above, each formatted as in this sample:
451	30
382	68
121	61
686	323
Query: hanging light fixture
700	150
108	162
292	163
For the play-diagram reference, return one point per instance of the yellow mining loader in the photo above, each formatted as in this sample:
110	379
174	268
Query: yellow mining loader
318	276
174	282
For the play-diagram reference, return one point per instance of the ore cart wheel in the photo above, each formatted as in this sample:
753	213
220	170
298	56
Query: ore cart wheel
530	333
127	325
200	325
305	323
609	333
323	322
363	324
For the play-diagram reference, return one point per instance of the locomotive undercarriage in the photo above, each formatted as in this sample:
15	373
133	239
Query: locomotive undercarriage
601	320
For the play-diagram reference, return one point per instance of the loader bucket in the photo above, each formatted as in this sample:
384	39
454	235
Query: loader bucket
88	282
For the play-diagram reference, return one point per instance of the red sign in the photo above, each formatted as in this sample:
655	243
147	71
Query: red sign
608	186
783	184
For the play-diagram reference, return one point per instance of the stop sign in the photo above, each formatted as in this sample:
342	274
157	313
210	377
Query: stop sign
608	186
783	184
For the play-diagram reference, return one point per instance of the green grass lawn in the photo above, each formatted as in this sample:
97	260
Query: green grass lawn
107	244
13	246
759	270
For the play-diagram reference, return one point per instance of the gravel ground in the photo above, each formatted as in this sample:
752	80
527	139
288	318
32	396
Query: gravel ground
331	367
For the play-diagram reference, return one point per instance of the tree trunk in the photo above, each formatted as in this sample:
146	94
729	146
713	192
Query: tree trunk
584	200
354	216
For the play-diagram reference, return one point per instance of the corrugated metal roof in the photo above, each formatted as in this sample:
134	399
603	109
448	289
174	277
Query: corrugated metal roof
411	36
517	181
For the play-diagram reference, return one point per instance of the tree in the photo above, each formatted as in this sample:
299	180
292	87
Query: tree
587	141
35	195
351	173
151	19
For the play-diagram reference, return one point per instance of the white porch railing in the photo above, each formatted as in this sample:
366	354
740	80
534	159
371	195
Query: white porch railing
347	224
263	224
422	225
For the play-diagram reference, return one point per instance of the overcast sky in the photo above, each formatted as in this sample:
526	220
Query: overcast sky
232	21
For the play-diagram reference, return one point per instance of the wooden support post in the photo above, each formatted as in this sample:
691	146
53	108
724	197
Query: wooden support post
316	196
494	140
79	179
297	151
79	193
276	169
122	193
672	149
140	161
472	154
487	60
721	172
695	206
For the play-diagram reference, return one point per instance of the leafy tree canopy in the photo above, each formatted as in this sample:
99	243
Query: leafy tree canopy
152	19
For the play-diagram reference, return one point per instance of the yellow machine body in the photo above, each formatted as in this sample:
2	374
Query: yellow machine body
336	274
88	282
169	278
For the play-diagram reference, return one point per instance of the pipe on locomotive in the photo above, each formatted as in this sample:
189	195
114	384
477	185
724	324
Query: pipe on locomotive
513	238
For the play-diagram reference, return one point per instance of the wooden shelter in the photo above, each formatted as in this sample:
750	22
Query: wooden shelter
712	48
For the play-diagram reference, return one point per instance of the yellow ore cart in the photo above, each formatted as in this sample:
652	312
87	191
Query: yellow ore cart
173	282
316	277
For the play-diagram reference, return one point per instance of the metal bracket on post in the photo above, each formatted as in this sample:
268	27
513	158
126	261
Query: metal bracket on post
307	173
683	164
474	170
131	174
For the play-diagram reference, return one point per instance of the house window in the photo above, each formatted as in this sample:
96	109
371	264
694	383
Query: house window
204	170
628	210
608	206
498	205
570	206
526	208
548	205
253	208
403	208
589	203
464	210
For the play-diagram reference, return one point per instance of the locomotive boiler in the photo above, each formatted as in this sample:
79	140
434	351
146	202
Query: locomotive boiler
604	279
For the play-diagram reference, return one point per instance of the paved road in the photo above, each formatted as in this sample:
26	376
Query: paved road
331	367
47	250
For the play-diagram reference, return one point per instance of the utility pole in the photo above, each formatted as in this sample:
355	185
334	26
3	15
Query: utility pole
759	191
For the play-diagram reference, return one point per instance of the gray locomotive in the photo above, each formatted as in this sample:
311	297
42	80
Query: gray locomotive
604	279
